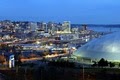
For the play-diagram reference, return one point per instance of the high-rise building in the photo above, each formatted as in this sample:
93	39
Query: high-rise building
45	27
66	26
33	26
84	27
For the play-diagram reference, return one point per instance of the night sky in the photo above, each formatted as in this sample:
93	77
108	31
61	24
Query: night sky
76	11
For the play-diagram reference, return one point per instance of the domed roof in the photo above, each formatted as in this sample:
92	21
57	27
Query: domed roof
107	47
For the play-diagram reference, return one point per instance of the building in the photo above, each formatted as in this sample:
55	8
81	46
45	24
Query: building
33	26
44	27
11	61
106	47
84	27
66	26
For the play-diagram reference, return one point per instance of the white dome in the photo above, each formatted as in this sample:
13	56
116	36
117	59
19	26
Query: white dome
107	47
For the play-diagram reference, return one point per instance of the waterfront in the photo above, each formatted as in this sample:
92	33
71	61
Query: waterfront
101	28
38	48
104	29
59	40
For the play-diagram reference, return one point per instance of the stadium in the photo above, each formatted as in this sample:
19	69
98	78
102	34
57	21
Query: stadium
107	47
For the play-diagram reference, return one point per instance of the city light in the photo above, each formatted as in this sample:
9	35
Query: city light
38	42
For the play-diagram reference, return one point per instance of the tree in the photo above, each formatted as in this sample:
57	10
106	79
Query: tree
112	64
2	59
95	64
18	62
103	63
119	65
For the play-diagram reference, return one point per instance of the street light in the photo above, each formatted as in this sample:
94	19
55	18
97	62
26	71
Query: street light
38	42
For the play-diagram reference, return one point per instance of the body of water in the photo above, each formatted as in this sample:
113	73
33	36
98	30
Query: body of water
104	29
100	28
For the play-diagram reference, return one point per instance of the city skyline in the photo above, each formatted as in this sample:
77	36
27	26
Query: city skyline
77	11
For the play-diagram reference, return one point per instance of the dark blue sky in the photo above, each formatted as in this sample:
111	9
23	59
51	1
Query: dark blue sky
77	11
